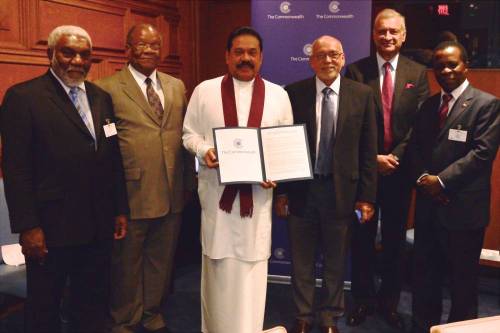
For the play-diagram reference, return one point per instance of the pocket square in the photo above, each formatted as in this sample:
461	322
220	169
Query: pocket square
409	85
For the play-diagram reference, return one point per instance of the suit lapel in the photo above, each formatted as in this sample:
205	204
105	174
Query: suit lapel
59	97
401	78
462	104
167	95
342	107
95	110
373	80
310	97
133	91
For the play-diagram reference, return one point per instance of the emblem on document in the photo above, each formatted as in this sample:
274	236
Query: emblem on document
238	143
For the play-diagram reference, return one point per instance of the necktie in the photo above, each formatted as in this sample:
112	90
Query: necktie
73	94
387	95
327	133
443	110
153	98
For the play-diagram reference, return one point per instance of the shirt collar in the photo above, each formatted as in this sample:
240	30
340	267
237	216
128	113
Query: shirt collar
335	86
141	78
381	61
66	87
457	91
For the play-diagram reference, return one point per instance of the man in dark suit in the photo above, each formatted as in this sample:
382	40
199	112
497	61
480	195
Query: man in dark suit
340	119
400	86
64	185
454	144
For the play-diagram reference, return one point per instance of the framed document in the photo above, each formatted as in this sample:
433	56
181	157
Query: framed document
253	155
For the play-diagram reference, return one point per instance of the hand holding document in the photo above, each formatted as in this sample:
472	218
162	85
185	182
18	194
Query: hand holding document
254	155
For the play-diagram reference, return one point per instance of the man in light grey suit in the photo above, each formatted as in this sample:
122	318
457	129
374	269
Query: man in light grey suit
149	107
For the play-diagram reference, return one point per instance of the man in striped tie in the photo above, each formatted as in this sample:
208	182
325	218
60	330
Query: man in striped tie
64	185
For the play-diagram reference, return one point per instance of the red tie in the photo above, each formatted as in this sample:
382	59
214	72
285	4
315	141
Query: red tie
387	94
443	110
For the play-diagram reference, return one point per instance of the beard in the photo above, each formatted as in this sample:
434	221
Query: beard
63	73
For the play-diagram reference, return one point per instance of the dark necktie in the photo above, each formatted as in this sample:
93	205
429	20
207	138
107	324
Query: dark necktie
153	98
327	133
443	110
387	95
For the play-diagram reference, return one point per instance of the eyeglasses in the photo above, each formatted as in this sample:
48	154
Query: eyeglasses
333	55
143	46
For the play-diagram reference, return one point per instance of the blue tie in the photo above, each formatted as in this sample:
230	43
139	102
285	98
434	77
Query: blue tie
327	133
73	94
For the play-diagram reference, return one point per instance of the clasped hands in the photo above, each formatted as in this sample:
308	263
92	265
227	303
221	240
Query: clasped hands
431	186
212	163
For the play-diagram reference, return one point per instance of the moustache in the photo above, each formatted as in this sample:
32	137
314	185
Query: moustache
245	63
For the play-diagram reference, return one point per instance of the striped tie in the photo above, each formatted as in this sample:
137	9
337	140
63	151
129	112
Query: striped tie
73	94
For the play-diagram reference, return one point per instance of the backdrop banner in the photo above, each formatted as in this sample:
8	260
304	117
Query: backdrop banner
288	28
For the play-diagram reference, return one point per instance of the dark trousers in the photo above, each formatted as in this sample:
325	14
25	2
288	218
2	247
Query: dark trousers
87	268
318	228
440	252
392	203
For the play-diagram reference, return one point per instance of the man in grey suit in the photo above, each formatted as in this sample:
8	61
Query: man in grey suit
150	107
454	144
340	119
400	86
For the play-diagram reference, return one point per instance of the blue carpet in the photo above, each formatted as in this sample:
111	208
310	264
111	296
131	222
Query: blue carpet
182	310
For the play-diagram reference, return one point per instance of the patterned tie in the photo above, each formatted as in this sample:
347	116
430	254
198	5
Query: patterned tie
443	110
387	95
73	94
153	98
327	133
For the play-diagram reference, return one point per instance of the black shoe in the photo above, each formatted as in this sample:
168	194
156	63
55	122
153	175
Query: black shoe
301	326
358	314
393	318
159	330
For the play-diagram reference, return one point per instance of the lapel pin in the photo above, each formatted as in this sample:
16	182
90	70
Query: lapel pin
464	105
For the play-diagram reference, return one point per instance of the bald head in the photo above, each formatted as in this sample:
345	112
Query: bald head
327	58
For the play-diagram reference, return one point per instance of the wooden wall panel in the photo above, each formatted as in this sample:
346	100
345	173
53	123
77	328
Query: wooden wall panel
10	23
104	25
25	25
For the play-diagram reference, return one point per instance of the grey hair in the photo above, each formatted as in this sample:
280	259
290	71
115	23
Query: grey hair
61	30
389	13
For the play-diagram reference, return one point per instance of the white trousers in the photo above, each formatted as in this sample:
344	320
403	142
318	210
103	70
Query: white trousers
233	295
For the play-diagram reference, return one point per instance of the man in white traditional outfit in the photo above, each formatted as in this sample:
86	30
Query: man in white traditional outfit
235	219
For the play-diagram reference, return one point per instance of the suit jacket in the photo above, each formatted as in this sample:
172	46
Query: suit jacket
157	167
410	90
464	167
54	176
354	168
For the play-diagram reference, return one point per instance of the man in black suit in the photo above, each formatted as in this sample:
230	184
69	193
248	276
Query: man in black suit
397	97
64	185
454	144
340	119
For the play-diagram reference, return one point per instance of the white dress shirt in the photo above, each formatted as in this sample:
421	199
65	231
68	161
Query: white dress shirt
381	69
141	81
